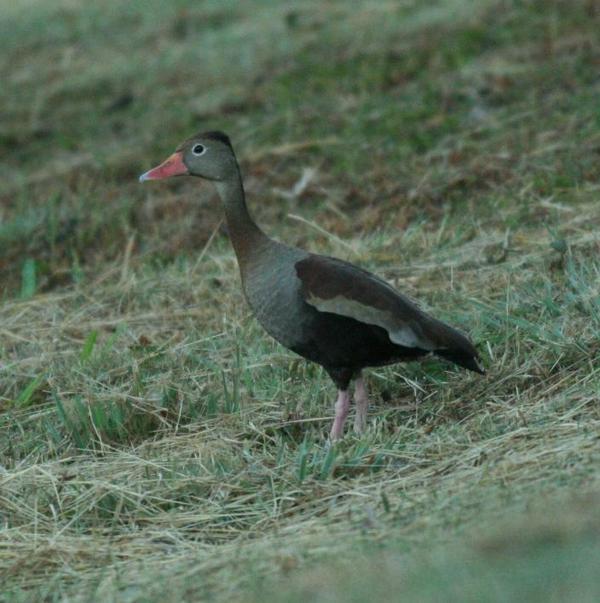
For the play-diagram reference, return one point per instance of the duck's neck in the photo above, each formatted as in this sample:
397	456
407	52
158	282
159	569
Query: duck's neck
245	235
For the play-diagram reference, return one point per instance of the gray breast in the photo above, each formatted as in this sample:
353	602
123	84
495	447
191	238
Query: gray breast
272	290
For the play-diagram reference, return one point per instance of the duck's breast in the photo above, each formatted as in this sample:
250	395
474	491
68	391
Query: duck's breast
272	289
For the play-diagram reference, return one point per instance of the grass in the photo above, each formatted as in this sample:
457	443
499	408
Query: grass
155	445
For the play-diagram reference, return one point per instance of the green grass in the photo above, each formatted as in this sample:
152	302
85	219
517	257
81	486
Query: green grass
155	444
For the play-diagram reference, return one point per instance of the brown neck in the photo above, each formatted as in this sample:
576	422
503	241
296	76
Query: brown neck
245	235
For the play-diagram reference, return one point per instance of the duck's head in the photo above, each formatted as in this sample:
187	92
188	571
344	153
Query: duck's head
208	155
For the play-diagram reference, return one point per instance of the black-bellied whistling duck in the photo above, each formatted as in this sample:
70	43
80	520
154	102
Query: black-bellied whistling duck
329	311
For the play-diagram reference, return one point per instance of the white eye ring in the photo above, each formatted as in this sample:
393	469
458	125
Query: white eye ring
198	149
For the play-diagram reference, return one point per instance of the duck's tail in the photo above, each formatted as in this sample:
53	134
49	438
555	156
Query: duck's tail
456	347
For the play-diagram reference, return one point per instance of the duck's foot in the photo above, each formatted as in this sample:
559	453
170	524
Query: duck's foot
361	399
342	406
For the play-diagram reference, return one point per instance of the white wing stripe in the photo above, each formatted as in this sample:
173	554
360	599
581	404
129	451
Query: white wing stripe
399	332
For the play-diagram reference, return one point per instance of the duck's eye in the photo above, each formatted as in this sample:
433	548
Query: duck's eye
198	149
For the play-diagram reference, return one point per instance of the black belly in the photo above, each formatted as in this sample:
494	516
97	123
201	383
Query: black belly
344	345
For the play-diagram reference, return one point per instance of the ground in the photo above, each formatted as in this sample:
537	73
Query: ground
155	444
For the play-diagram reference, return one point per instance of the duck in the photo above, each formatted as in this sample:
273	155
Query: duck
327	310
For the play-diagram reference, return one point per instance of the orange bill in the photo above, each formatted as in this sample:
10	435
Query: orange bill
172	166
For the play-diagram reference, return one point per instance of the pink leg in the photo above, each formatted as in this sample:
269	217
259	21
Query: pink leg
361	398
342	406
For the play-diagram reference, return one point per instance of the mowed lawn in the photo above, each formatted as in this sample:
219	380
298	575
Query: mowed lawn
155	444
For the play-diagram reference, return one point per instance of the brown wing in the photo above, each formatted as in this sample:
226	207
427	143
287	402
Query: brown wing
331	285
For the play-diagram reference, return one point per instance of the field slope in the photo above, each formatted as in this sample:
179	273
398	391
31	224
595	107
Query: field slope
155	444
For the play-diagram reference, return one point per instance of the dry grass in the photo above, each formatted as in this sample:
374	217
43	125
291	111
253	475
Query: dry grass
155	445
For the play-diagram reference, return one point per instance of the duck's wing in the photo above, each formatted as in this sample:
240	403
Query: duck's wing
335	286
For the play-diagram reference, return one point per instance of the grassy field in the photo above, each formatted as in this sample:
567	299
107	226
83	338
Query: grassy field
155	444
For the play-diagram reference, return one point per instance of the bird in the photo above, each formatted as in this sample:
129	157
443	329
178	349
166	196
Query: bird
327	310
